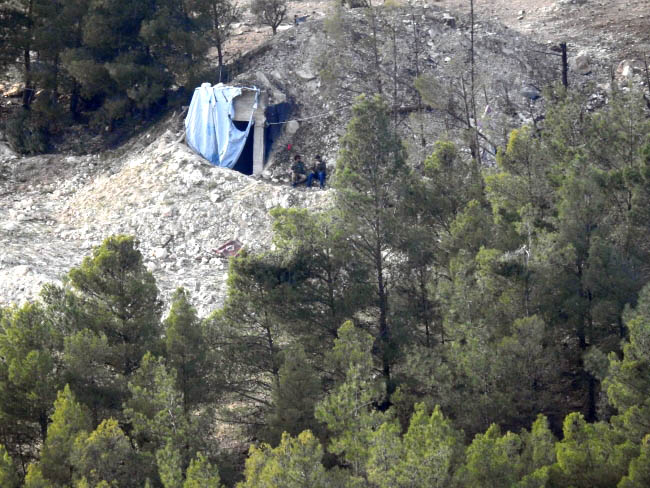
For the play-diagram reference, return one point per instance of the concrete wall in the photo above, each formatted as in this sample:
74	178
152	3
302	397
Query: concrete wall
243	106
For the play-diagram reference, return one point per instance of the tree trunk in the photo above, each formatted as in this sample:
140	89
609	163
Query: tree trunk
42	421
375	49
220	53
74	100
27	62
28	91
384	329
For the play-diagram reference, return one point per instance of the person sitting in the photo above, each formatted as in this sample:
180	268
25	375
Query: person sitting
318	170
298	172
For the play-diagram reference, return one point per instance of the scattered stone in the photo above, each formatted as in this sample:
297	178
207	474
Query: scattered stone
160	253
624	70
582	63
305	74
44	233
292	127
22	270
531	92
449	20
10	226
16	90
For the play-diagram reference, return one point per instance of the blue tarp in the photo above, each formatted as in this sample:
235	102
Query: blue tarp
209	127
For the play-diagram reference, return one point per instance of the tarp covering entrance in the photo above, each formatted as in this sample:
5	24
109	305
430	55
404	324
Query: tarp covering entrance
209	127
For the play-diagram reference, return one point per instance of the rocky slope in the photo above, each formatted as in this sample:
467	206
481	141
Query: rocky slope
55	208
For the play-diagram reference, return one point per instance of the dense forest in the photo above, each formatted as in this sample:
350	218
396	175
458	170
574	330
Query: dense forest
448	323
104	63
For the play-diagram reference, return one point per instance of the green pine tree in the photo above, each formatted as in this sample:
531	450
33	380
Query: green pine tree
591	455
370	178
202	474
294	397
492	459
295	463
70	421
639	473
163	431
326	284
8	474
186	350
111	316
30	375
628	380
106	456
349	410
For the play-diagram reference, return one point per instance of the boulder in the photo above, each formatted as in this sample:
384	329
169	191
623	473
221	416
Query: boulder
292	127
531	92
16	90
624	70
582	63
449	20
305	74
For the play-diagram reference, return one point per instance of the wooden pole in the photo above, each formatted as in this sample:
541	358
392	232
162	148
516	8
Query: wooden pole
565	66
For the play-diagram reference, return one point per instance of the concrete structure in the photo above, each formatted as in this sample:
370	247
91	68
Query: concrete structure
243	106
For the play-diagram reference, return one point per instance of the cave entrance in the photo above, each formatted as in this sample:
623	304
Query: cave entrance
246	158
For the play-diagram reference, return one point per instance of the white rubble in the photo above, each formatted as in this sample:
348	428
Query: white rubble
178	206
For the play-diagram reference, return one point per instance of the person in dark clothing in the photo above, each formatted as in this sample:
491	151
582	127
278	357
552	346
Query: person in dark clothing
319	170
298	172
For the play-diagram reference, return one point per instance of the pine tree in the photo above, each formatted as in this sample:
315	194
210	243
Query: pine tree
19	20
70	421
432	449
295	463
8	475
294	397
35	478
111	315
369	180
160	426
538	455
30	375
591	455
639	472
249	337
326	284
186	350
385	451
349	410
87	359
170	466
220	15
106	456
628	380
202	474
269	12
173	38
491	460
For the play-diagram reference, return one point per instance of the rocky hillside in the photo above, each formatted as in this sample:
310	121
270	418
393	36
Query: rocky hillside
54	208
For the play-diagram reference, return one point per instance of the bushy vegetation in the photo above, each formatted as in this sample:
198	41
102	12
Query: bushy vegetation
454	326
104	63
